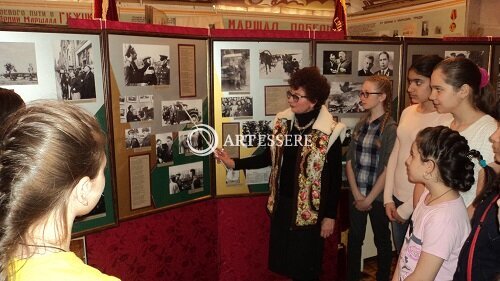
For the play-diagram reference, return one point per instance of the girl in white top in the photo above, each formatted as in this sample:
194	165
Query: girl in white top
398	191
439	160
458	87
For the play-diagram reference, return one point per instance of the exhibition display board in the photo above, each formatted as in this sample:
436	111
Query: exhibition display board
155	88
66	65
250	85
159	98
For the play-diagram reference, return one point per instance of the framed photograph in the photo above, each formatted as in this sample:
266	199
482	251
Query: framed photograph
19	63
344	98
275	99
279	63
156	75
235	71
187	70
146	64
165	148
256	133
187	178
138	138
375	63
237	107
181	112
40	64
337	62
137	109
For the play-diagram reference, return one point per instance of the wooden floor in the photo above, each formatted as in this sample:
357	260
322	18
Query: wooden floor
370	268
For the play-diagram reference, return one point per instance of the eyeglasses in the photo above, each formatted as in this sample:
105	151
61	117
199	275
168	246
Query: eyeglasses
295	97
367	94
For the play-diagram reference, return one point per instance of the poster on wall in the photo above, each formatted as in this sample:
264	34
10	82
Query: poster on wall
162	106
66	67
245	105
439	20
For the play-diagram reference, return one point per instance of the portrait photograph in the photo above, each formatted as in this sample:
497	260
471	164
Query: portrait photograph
279	64
344	98
181	112
164	149
18	63
337	62
235	70
382	64
188	140
186	178
137	109
138	137
74	66
253	131
237	107
146	65
366	63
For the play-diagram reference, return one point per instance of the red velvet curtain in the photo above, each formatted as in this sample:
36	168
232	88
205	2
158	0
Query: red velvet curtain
105	9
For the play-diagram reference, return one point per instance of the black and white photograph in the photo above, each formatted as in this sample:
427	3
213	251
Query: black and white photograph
164	149
146	65
188	140
382	64
456	54
138	137
18	62
237	107
74	67
337	62
477	56
181	112
235	70
279	64
187	177
232	177
136	109
344	98
366	62
255	132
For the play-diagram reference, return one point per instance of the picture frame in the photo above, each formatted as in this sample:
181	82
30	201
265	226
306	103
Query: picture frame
179	103
268	65
47	77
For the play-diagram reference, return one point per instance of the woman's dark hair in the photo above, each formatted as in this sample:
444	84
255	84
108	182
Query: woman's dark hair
424	65
450	151
462	71
315	85
10	101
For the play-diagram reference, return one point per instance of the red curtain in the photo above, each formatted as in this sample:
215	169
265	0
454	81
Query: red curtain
340	17
105	9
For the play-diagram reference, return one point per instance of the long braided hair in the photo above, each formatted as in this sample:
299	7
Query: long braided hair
383	85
